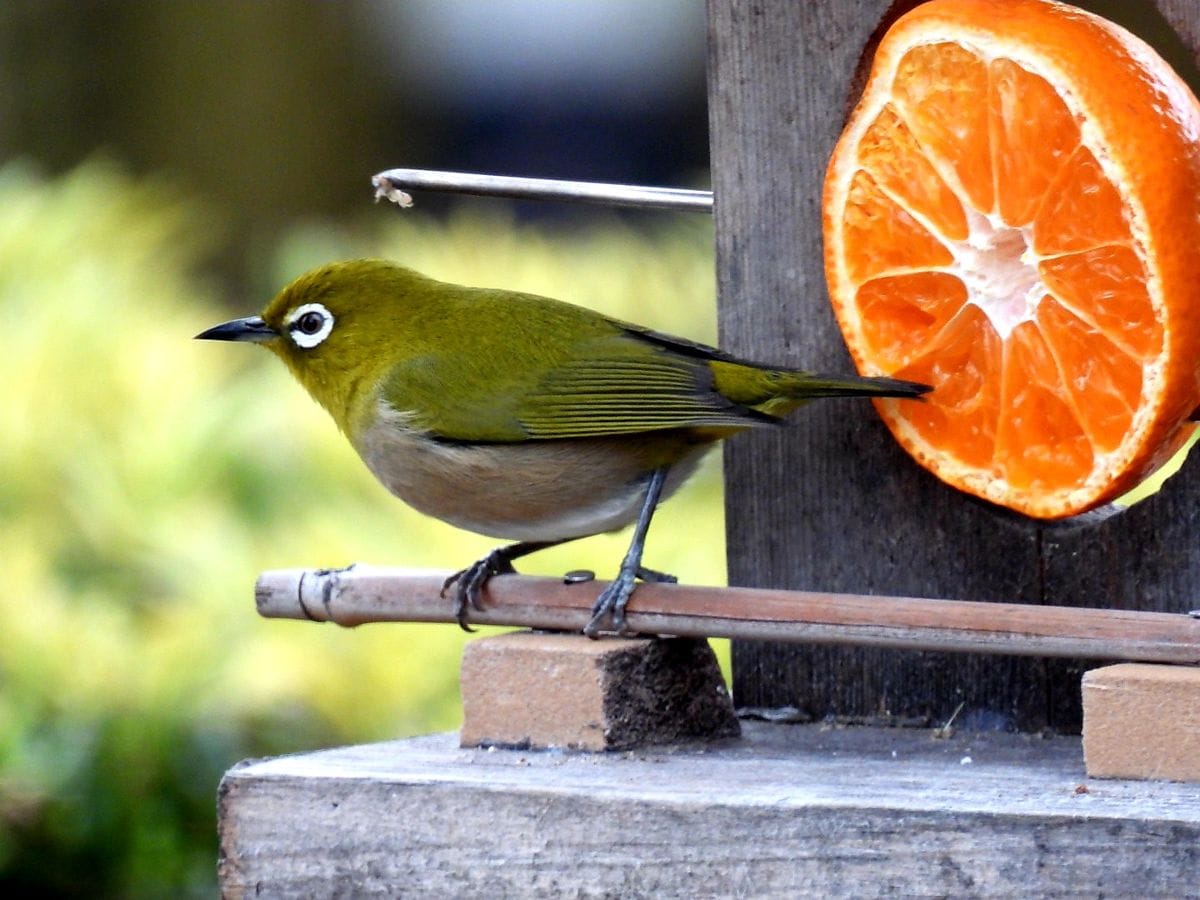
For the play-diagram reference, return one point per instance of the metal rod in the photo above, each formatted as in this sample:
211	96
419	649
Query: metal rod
395	183
367	594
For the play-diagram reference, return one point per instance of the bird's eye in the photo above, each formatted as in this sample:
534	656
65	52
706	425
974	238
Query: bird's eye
309	324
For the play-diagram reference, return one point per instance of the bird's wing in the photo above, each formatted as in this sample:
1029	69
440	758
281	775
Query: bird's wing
619	382
628	383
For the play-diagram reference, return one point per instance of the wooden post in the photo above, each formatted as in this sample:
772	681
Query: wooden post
833	504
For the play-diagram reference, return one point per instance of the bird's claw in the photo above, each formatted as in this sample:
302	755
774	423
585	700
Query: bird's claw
468	583
610	606
613	599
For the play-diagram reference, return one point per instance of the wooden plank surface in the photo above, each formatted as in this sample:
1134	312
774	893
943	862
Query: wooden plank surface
833	504
788	811
363	594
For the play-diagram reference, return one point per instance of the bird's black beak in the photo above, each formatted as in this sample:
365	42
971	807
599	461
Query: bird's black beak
251	328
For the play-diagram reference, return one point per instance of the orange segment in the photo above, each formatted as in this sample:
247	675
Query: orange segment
901	314
1102	383
1084	211
938	90
1108	285
1040	444
891	154
1011	216
963	364
908	245
1034	135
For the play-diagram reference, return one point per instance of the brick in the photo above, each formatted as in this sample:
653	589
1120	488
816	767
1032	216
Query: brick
538	690
1142	721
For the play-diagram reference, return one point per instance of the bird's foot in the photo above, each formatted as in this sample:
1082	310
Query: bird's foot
610	606
653	575
468	583
611	603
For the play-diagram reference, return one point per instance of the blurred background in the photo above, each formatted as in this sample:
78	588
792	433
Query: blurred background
164	166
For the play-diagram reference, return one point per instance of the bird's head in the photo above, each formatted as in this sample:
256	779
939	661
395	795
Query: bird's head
338	328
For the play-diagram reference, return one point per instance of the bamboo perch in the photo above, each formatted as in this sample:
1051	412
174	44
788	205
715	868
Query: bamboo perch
395	183
362	594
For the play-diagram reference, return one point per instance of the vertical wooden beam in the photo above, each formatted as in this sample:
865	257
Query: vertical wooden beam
1149	557
833	504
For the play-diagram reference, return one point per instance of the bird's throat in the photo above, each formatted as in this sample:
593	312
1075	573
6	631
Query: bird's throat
344	392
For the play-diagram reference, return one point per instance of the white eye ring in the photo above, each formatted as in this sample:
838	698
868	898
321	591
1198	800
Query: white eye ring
309	324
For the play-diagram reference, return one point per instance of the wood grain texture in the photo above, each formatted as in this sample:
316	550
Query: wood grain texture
788	811
833	504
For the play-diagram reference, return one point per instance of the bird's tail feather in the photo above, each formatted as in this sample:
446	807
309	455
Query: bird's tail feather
811	386
778	392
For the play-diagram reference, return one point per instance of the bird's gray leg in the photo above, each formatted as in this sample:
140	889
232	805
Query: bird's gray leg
470	581
611	603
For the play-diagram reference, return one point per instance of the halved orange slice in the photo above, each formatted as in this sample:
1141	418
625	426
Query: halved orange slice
1012	215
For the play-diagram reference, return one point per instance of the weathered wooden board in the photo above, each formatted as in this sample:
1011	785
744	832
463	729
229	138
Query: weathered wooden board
788	811
833	504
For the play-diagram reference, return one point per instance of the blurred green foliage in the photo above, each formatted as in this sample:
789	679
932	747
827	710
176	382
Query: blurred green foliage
145	480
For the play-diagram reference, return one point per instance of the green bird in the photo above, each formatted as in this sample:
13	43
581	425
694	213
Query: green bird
518	416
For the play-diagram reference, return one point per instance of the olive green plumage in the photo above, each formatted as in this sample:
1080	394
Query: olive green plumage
517	415
480	365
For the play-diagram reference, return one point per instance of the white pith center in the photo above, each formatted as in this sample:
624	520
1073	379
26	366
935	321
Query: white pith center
997	264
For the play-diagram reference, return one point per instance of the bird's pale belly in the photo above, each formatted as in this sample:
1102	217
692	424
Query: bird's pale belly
528	491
